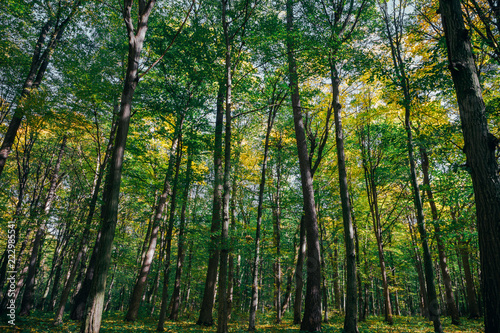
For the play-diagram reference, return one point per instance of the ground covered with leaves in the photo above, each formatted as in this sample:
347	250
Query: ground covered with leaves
113	322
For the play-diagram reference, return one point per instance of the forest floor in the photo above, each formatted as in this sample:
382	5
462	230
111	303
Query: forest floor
114	323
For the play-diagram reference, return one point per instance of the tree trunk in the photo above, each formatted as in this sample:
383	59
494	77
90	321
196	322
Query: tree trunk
404	84
479	147
370	170
207	303
256	263
469	281
450	297
277	237
168	247
299	273
137	293
222	316
424	308
174	315
110	289
432	300
111	193
351	307
312	311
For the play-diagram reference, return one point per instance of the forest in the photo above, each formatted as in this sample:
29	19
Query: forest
250	165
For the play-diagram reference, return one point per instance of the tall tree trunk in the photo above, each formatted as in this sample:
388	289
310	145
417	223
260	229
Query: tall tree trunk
277	237
174	315
394	39
39	63
370	169
450	297
351	307
479	147
111	193
312	311
137	293
206	318
168	238
432	300
222	316
256	263
29	290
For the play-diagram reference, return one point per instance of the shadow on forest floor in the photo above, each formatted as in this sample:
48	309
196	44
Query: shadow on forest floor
114	323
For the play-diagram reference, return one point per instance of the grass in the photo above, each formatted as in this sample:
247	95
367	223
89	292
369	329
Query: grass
113	323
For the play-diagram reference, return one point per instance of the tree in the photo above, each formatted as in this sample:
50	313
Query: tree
55	25
479	146
311	321
111	192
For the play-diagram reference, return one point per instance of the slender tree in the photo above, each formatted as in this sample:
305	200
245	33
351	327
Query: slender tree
311	321
256	262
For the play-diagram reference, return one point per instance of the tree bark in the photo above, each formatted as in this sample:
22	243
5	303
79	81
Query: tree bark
111	193
479	147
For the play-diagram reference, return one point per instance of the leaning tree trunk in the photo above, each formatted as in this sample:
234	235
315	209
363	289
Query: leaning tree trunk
350	321
137	293
450	297
312	311
111	193
479	147
432	299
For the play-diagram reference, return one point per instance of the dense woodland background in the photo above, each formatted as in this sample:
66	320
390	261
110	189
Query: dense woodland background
301	160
